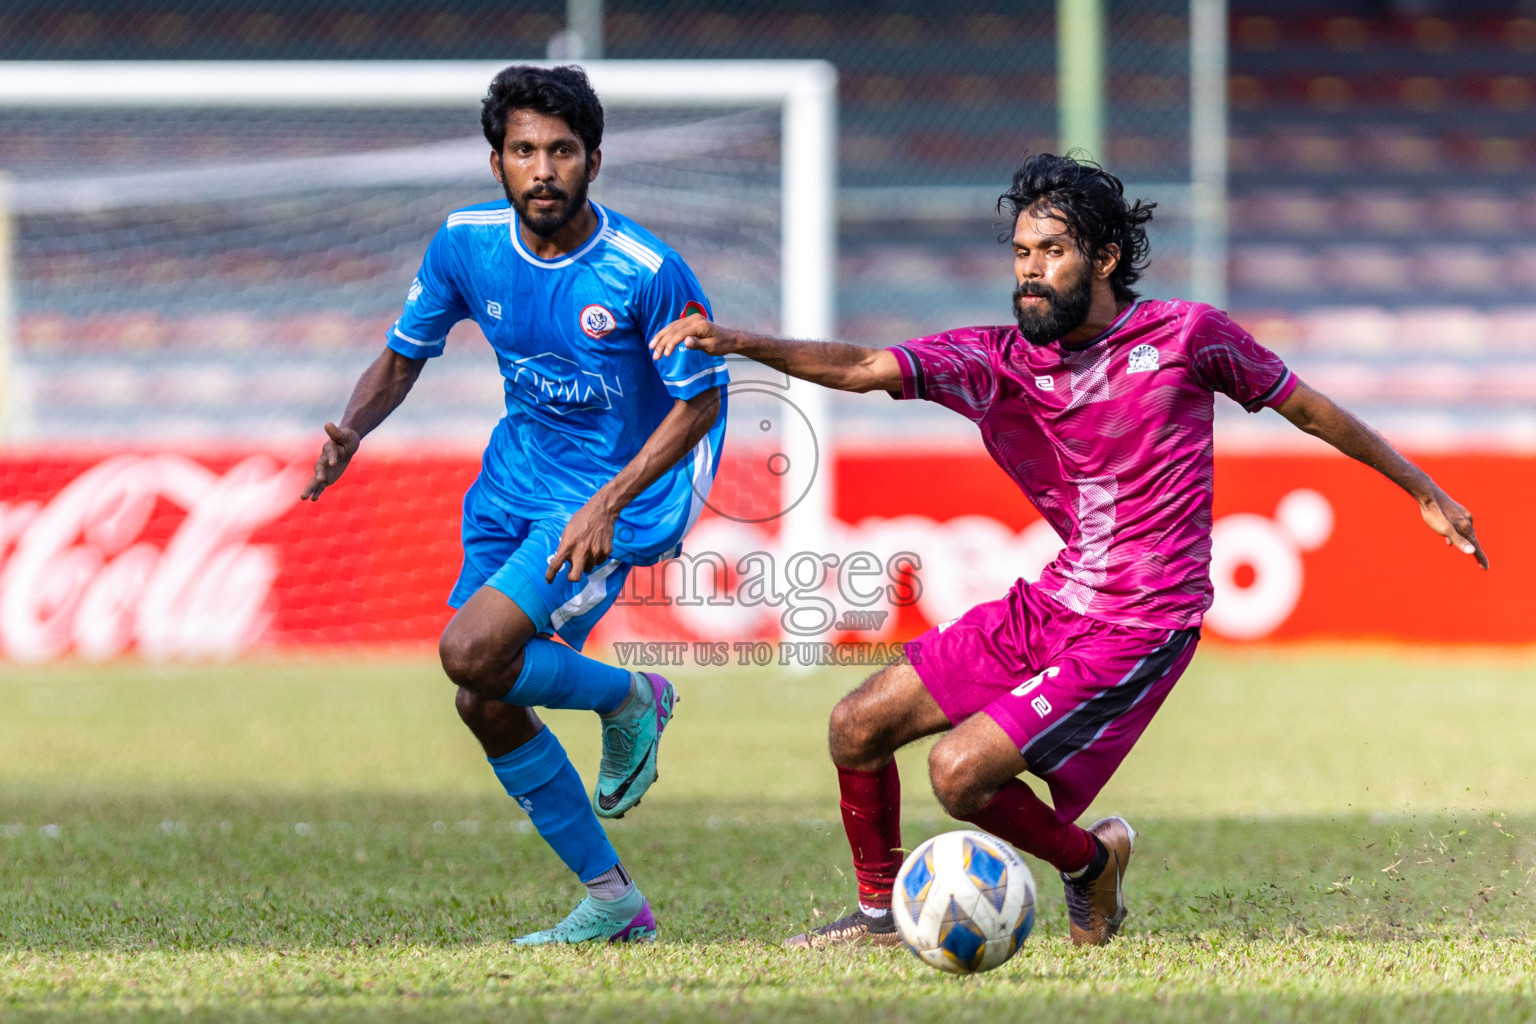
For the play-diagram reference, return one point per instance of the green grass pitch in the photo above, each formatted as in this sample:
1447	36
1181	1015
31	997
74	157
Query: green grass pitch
1326	836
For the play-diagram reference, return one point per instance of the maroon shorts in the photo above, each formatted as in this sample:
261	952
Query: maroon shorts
1073	693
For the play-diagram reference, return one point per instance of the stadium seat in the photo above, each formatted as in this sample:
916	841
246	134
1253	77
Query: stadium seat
1441	330
1482	212
1286	211
1512	330
1518	34
1378	270
1348	330
1274	268
1349	381
1513	384
1441	382
1382	211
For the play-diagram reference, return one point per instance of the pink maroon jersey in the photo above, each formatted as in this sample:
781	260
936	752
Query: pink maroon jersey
1111	441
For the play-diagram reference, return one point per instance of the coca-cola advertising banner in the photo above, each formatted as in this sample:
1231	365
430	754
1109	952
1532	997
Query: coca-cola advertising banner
171	555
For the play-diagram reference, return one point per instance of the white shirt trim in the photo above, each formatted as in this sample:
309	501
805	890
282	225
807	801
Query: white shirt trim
415	341
568	258
633	247
702	480
702	373
479	217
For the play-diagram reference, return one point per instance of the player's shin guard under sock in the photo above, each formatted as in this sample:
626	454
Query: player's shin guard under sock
1028	822
555	676
541	778
871	805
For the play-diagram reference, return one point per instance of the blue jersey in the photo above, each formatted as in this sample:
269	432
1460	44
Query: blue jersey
582	392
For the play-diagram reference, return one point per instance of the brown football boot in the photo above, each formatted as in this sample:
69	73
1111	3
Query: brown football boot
1095	906
858	928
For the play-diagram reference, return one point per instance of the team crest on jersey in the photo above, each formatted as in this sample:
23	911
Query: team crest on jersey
597	321
693	308
1143	359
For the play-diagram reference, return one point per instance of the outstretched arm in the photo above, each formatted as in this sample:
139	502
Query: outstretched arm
832	364
379	391
1318	415
588	538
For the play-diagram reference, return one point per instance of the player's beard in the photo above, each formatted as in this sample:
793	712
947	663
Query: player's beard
1064	311
549	223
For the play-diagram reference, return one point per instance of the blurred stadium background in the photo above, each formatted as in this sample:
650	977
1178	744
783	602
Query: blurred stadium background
208	283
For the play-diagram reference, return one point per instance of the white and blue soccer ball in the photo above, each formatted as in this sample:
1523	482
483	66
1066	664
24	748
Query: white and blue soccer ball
964	902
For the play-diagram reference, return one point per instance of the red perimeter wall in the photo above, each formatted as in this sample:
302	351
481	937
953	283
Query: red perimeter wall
199	554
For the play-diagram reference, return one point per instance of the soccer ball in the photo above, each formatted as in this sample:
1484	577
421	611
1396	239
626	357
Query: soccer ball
964	902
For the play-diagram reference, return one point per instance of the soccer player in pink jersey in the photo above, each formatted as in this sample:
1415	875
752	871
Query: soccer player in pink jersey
1099	405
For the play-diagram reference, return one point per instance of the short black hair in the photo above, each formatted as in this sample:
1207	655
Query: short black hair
1091	202
562	92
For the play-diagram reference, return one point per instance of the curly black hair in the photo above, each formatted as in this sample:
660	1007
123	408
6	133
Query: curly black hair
562	92
1092	203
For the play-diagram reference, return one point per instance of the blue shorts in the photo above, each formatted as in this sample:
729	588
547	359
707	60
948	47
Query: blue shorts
512	554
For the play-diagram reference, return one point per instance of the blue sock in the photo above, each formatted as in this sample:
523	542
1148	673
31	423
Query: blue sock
554	676
541	778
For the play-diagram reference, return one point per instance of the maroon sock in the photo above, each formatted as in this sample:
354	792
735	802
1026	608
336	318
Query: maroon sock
872	818
1027	822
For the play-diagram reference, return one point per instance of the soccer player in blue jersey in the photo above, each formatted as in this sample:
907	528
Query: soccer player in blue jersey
602	462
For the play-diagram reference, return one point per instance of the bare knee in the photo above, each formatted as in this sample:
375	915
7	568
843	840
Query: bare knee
476	661
889	710
467	659
462	660
959	782
854	737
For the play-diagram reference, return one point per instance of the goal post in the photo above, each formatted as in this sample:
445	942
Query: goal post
803	91
7	313
1208	150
